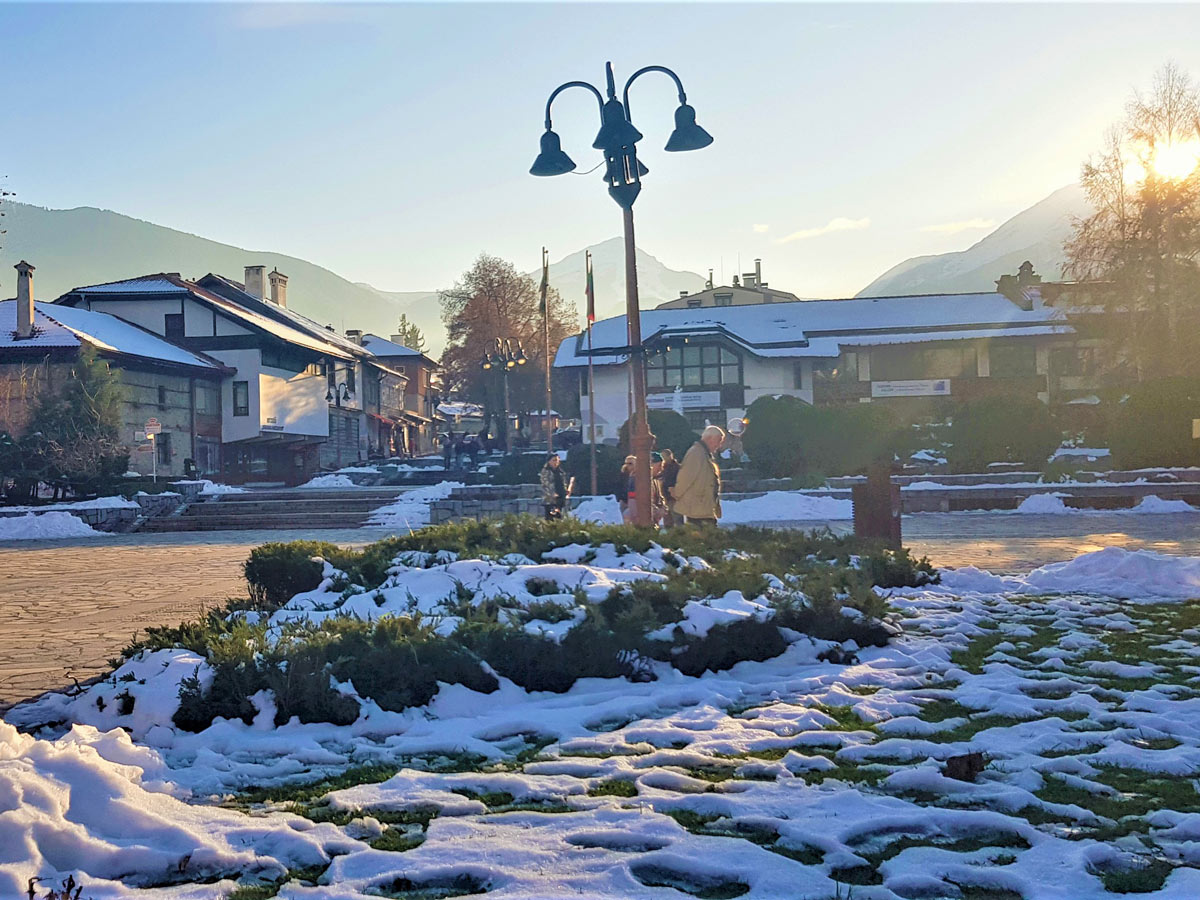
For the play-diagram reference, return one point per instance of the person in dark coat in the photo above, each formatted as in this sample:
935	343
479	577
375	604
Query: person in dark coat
554	487
666	481
447	449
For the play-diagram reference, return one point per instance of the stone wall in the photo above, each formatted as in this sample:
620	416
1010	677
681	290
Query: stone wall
487	502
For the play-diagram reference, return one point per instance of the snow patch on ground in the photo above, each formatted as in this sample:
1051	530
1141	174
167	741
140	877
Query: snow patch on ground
329	481
411	509
785	506
601	510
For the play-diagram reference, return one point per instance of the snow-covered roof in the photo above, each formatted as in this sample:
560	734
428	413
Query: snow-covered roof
63	326
818	328
383	347
285	327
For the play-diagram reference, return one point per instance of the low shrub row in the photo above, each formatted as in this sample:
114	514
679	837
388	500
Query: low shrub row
812	583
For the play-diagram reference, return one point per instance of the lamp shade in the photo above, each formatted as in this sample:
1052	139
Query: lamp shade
552	160
616	130
687	134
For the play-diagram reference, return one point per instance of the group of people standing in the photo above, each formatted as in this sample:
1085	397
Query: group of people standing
680	492
462	451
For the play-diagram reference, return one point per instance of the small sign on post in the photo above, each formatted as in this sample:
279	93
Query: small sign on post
153	426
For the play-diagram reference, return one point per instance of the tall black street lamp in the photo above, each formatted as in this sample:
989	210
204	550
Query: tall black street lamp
506	355
617	139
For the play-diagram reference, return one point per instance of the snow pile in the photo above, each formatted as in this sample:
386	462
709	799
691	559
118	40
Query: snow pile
1043	505
1154	504
95	503
699	616
97	804
785	506
1129	574
601	510
329	481
411	509
1137	575
47	525
1091	454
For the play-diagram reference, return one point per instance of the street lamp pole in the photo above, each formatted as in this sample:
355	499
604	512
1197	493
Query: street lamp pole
504	357
617	139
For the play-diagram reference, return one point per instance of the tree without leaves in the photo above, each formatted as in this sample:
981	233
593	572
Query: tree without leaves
1144	237
410	334
493	300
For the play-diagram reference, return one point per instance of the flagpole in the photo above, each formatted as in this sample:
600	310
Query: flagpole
546	342
591	317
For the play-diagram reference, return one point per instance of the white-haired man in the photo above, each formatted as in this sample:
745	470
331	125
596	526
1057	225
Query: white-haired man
697	490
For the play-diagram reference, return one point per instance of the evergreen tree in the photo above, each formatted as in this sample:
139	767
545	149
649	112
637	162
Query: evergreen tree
74	433
410	334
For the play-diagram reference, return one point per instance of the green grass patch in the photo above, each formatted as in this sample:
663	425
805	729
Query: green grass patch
615	787
397	840
304	792
973	657
1142	879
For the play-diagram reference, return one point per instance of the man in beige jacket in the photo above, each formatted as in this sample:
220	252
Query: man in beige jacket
697	490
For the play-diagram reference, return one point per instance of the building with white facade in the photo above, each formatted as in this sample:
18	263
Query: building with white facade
912	352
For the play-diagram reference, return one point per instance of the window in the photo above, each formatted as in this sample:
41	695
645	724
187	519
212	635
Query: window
163	443
694	302
208	455
241	398
173	326
208	399
693	367
1012	360
350	378
723	299
1073	361
162	396
904	363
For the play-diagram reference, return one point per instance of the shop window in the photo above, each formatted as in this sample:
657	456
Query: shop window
907	362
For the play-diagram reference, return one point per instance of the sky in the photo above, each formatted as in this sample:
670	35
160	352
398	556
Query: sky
391	142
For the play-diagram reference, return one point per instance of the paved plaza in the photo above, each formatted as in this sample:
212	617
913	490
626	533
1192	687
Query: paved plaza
67	606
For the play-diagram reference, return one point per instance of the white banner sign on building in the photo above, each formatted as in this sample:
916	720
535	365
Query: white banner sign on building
690	399
934	387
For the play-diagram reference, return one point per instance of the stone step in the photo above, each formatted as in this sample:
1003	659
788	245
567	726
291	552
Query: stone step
372	493
298	507
251	523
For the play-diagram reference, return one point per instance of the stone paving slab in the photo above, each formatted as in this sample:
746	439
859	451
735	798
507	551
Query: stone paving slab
67	606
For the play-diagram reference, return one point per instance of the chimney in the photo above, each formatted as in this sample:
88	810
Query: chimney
24	300
278	288
254	281
355	334
758	273
683	293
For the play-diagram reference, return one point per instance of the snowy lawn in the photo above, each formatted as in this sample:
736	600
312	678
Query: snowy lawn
791	777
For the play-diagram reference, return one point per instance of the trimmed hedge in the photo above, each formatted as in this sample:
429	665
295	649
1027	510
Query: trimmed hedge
786	437
1001	429
398	662
671	431
1153	426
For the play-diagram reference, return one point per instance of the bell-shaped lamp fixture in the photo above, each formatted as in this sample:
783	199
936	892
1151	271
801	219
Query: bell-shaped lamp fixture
329	396
687	134
552	160
616	131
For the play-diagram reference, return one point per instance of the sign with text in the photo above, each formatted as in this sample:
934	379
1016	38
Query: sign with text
690	399
153	426
933	387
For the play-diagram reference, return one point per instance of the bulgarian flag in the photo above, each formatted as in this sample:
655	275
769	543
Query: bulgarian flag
591	291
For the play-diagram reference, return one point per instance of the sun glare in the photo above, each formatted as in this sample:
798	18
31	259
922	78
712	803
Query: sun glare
1176	160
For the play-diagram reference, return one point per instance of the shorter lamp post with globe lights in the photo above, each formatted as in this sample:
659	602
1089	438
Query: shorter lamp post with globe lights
506	355
617	139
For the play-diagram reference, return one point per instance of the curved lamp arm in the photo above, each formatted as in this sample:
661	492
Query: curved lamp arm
643	71
570	84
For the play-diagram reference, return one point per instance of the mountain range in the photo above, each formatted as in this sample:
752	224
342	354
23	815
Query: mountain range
1036	234
75	247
